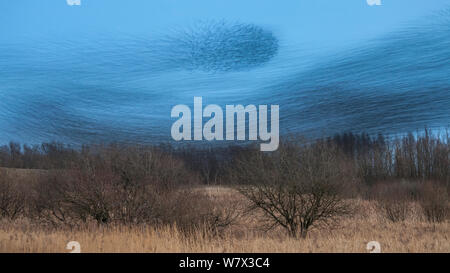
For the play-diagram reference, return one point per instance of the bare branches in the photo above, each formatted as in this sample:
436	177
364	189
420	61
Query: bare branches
12	199
297	188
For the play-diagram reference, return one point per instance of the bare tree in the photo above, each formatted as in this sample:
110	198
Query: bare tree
297	188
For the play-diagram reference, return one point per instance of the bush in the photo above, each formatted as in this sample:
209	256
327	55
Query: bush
434	202
393	199
192	210
116	185
128	186
12	197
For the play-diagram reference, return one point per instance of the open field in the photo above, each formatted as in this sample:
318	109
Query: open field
352	235
404	237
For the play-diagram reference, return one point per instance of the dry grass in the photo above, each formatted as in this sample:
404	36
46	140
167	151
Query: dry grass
20	174
397	237
412	235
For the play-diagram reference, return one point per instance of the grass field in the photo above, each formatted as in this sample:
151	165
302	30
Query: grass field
352	235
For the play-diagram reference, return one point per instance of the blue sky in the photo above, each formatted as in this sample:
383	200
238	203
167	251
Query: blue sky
312	22
75	73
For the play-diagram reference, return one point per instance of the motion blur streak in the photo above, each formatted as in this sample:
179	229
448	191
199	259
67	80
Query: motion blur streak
121	87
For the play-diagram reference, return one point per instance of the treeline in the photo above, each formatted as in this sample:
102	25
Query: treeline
420	156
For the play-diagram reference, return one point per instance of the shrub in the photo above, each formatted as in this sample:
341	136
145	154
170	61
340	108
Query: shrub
116	185
128	186
393	200
192	210
434	202
12	197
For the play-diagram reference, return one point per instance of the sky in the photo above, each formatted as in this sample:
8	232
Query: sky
316	23
97	71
